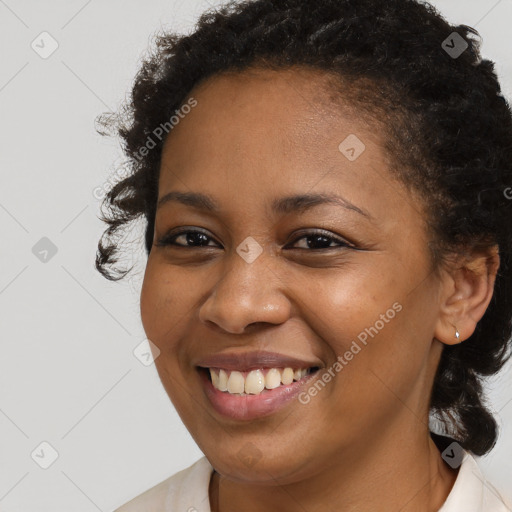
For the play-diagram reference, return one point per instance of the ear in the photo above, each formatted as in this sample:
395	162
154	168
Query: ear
466	291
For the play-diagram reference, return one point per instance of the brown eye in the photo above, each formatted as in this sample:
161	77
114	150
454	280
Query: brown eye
193	238
187	238
319	240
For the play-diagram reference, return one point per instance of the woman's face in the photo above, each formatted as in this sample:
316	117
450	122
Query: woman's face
343	284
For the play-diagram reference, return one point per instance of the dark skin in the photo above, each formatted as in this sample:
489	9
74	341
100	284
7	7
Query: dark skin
362	443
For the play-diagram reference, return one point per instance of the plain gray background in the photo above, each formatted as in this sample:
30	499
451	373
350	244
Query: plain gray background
68	373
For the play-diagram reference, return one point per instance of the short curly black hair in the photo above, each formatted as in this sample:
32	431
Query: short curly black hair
448	130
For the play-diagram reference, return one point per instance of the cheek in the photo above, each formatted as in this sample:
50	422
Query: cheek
169	302
161	303
344	305
151	303
367	322
161	308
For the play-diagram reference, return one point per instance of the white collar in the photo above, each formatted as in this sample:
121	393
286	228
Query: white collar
189	490
471	491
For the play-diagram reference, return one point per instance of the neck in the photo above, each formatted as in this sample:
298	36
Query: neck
406	474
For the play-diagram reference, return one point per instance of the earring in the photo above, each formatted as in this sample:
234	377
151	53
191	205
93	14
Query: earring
457	334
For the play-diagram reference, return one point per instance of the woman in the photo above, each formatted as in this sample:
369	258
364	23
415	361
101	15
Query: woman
328	236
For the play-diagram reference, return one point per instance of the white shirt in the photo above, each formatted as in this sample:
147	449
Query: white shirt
187	491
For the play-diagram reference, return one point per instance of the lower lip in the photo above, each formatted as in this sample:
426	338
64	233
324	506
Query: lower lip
249	407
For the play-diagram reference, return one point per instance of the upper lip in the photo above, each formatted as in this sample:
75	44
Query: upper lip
246	361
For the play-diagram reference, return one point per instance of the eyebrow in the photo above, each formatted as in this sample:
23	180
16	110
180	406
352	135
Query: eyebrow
284	205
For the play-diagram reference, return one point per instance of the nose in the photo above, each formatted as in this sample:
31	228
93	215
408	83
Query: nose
246	294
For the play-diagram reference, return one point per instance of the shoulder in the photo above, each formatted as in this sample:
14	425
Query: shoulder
473	493
186	490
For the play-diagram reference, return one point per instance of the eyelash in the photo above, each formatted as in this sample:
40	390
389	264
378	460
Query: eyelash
169	240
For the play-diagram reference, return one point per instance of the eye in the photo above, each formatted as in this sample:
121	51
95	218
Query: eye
318	240
193	237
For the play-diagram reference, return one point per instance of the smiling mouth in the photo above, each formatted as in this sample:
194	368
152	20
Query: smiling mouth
254	382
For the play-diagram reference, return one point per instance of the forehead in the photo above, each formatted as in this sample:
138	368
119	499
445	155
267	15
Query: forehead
261	133
297	105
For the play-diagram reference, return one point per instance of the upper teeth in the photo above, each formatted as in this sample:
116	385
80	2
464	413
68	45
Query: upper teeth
254	381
